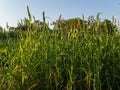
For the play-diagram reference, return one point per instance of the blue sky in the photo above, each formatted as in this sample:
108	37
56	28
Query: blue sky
13	10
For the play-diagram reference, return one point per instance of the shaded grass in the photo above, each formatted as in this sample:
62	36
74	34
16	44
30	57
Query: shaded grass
49	60
87	58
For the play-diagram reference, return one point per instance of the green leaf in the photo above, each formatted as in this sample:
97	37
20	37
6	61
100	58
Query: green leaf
24	76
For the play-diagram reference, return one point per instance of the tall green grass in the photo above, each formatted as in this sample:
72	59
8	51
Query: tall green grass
81	59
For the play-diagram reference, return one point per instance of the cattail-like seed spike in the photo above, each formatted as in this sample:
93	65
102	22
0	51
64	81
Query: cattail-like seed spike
113	19
29	15
78	22
43	16
89	20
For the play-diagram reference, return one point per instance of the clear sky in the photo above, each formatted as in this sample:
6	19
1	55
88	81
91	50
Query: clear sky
13	10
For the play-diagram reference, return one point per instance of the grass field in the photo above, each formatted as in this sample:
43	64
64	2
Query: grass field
83	58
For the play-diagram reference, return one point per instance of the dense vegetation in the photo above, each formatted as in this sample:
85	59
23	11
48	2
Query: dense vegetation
75	55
